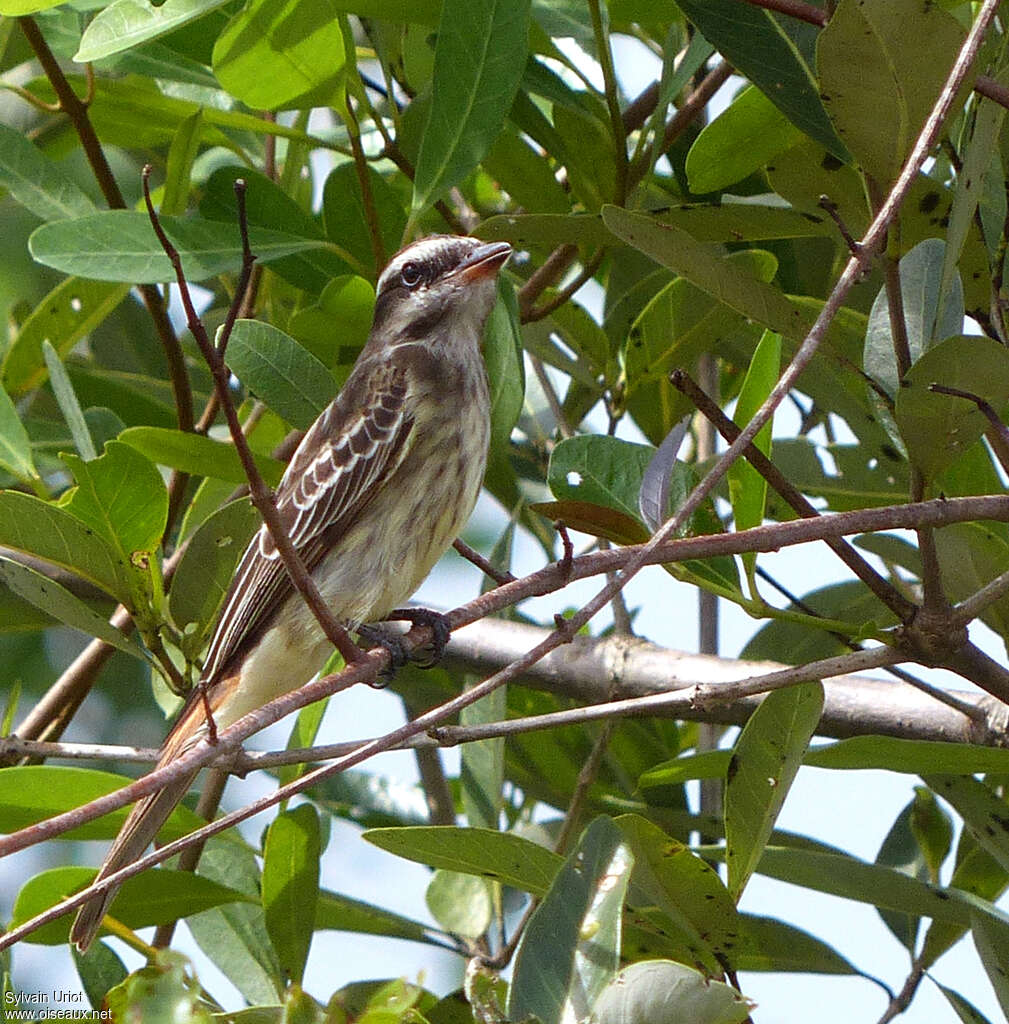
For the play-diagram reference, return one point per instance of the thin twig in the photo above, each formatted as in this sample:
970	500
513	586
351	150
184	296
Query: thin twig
364	182
881	587
486	567
261	495
998	434
556	301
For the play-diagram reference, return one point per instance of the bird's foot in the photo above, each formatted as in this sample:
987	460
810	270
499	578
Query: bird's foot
376	635
429	655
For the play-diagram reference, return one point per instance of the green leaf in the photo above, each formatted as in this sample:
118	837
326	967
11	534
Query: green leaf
288	378
755	42
771	945
33	180
38	528
899	53
850	602
900	851
461	904
342	913
69	312
932	827
291	886
764	764
15	447
233	935
600	470
938	428
502	351
269	207
970	556
207	569
965	1010
501	856
649	991
66	398
709	267
747	488
346	220
990	943
848	877
179	166
122	499
570	947
54	599
984	813
198	455
120	245
154	897
100	970
347	300
277	55
745	136
696	907
920	277
478	65
124	24
32	793
976	872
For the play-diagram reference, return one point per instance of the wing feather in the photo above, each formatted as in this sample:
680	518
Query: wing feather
337	469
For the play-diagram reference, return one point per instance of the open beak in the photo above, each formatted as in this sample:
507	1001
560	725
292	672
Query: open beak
484	261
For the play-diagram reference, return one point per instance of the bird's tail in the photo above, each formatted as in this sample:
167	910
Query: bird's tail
143	822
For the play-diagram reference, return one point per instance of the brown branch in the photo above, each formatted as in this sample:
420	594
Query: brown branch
261	495
367	198
795	9
486	567
558	300
546	580
882	588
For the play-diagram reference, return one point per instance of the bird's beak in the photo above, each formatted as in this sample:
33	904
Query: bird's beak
484	261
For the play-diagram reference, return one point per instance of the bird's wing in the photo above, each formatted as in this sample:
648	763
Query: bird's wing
338	468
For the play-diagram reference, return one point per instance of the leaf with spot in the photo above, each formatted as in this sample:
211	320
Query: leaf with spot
899	53
206	570
937	429
695	905
54	599
122	499
70	311
990	943
984	813
40	528
764	764
766	50
570	947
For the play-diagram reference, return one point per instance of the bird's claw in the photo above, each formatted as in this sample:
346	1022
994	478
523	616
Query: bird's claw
430	655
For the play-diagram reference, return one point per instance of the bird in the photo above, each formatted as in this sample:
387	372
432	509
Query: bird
376	491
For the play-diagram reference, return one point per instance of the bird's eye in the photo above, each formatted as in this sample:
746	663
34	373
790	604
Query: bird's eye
411	275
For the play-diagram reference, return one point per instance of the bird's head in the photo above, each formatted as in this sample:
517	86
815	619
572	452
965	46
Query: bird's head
441	286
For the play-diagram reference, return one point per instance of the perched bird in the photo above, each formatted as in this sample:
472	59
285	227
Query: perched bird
375	493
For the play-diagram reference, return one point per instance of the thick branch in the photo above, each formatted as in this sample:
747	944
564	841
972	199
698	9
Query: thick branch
585	669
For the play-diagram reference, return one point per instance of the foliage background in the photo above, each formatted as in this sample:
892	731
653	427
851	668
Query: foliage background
704	247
